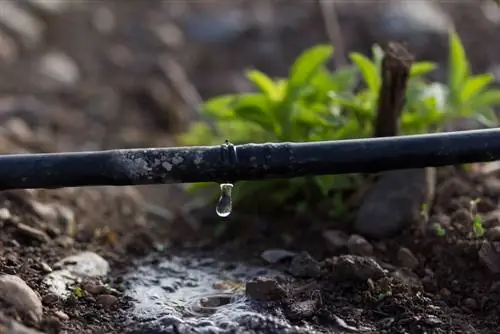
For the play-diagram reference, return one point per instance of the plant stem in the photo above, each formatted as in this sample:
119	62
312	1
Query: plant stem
395	71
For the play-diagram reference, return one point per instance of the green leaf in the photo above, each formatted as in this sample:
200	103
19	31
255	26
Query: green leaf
254	107
458	65
219	107
474	85
488	98
344	79
306	66
265	84
422	68
368	71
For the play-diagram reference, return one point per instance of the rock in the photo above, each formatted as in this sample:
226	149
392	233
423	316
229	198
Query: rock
219	27
60	68
335	240
11	326
14	291
93	287
264	289
470	303
489	255
44	211
72	270
5	214
493	233
418	22
357	245
407	259
32	232
65	241
45	267
395	201
304	265
274	256
61	315
407	277
353	267
107	300
50	299
26	26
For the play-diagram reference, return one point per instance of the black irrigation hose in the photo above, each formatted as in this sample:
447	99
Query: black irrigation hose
228	163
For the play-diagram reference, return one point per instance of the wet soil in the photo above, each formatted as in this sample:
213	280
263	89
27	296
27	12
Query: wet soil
124	97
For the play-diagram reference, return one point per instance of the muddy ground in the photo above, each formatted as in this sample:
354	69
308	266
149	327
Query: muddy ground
90	76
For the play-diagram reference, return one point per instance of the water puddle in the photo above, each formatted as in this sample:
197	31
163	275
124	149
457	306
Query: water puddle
182	295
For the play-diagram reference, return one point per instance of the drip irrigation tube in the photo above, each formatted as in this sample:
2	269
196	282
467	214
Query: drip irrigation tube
229	163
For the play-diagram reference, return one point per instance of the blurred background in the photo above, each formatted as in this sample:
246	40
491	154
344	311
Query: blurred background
85	75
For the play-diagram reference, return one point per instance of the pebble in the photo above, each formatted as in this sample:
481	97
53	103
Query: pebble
94	288
72	270
5	214
50	299
395	201
32	232
11	326
493	233
470	303
60	68
29	28
45	267
304	265
107	300
357	245
353	267
65	241
489	255
14	291
274	256
61	315
263	289
416	21
407	259
217	28
335	240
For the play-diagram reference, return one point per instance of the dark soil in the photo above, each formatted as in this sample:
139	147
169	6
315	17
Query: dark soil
125	98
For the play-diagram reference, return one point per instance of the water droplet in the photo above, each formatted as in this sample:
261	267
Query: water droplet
225	204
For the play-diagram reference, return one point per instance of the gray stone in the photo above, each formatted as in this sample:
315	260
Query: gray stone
72	270
304	265
335	239
277	255
395	201
60	68
8	325
414	21
357	245
407	259
14	291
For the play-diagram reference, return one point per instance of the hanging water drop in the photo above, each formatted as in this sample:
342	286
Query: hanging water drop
225	204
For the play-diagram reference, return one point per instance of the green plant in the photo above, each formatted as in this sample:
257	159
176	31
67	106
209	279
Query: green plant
314	104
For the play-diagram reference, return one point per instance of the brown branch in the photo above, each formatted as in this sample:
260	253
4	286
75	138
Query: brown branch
395	72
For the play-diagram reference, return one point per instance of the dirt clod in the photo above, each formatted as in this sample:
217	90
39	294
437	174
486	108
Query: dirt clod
264	289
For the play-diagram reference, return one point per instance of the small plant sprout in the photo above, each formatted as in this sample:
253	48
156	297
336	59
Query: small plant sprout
424	212
439	230
477	226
